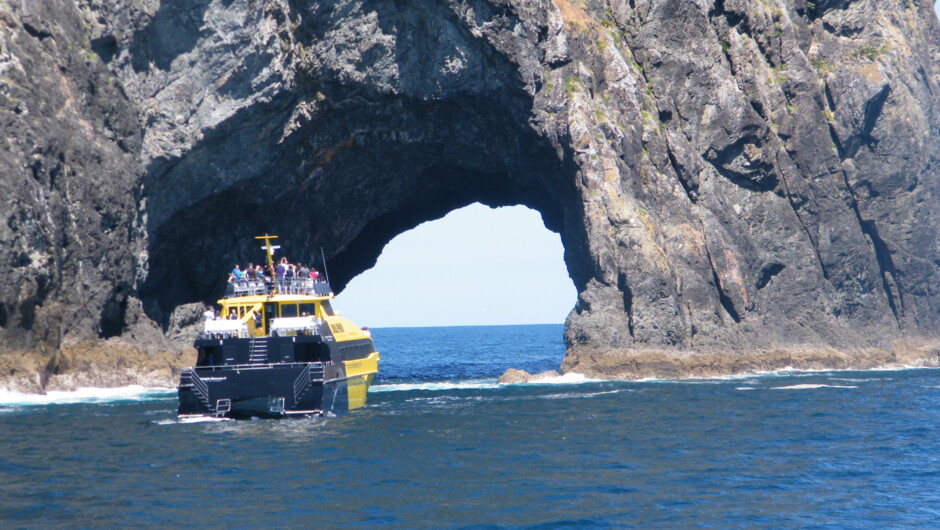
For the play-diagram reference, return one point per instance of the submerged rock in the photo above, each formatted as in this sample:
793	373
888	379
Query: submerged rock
513	375
727	177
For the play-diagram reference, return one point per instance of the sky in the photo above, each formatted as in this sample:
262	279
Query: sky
475	266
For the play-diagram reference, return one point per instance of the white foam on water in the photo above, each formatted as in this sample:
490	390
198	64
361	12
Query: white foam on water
481	384
808	387
571	378
435	399
579	395
788	371
435	386
713	380
898	368
192	419
86	395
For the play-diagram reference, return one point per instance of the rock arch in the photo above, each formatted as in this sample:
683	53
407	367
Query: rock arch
725	178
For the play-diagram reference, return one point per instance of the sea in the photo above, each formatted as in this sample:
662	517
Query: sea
442	445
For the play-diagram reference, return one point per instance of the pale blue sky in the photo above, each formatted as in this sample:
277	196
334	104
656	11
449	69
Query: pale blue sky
475	266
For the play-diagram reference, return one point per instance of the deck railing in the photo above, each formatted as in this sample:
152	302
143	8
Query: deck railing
301	286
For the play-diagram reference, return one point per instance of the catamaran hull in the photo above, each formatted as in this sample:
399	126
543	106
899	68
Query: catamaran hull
270	391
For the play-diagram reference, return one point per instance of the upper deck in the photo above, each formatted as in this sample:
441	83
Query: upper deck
285	286
276	302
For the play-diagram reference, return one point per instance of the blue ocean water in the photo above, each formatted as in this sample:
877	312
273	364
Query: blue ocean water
441	445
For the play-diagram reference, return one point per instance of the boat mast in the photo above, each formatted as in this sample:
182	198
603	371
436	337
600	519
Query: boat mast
270	251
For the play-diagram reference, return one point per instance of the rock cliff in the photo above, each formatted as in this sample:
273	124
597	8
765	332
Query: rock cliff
738	184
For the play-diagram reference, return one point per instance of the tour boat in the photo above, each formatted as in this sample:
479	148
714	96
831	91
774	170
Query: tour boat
278	349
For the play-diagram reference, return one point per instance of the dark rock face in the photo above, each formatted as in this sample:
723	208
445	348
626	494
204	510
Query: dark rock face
726	175
70	184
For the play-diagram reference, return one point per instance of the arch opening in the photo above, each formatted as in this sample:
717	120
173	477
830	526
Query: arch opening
192	254
474	266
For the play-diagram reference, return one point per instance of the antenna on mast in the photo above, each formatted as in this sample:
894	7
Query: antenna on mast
325	272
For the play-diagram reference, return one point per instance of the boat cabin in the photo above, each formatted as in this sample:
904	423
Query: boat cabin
262	316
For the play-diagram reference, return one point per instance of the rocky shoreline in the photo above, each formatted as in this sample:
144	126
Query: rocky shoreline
93	364
118	363
660	364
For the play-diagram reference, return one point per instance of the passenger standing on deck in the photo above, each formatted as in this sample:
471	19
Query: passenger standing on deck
279	272
250	271
259	273
290	273
304	275
236	274
209	314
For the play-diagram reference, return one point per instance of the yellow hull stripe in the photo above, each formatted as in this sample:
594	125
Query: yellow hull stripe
359	375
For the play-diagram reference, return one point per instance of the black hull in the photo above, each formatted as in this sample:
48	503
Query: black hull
263	391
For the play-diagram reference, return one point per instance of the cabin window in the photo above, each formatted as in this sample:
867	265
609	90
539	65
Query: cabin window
308	309
209	356
288	310
312	352
327	308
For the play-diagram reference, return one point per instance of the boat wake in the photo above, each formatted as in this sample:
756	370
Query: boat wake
192	419
84	395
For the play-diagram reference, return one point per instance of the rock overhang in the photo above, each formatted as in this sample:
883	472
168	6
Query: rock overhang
346	181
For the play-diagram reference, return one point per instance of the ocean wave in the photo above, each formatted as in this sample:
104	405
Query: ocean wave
582	395
435	386
86	395
570	378
788	371
480	384
712	380
809	387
